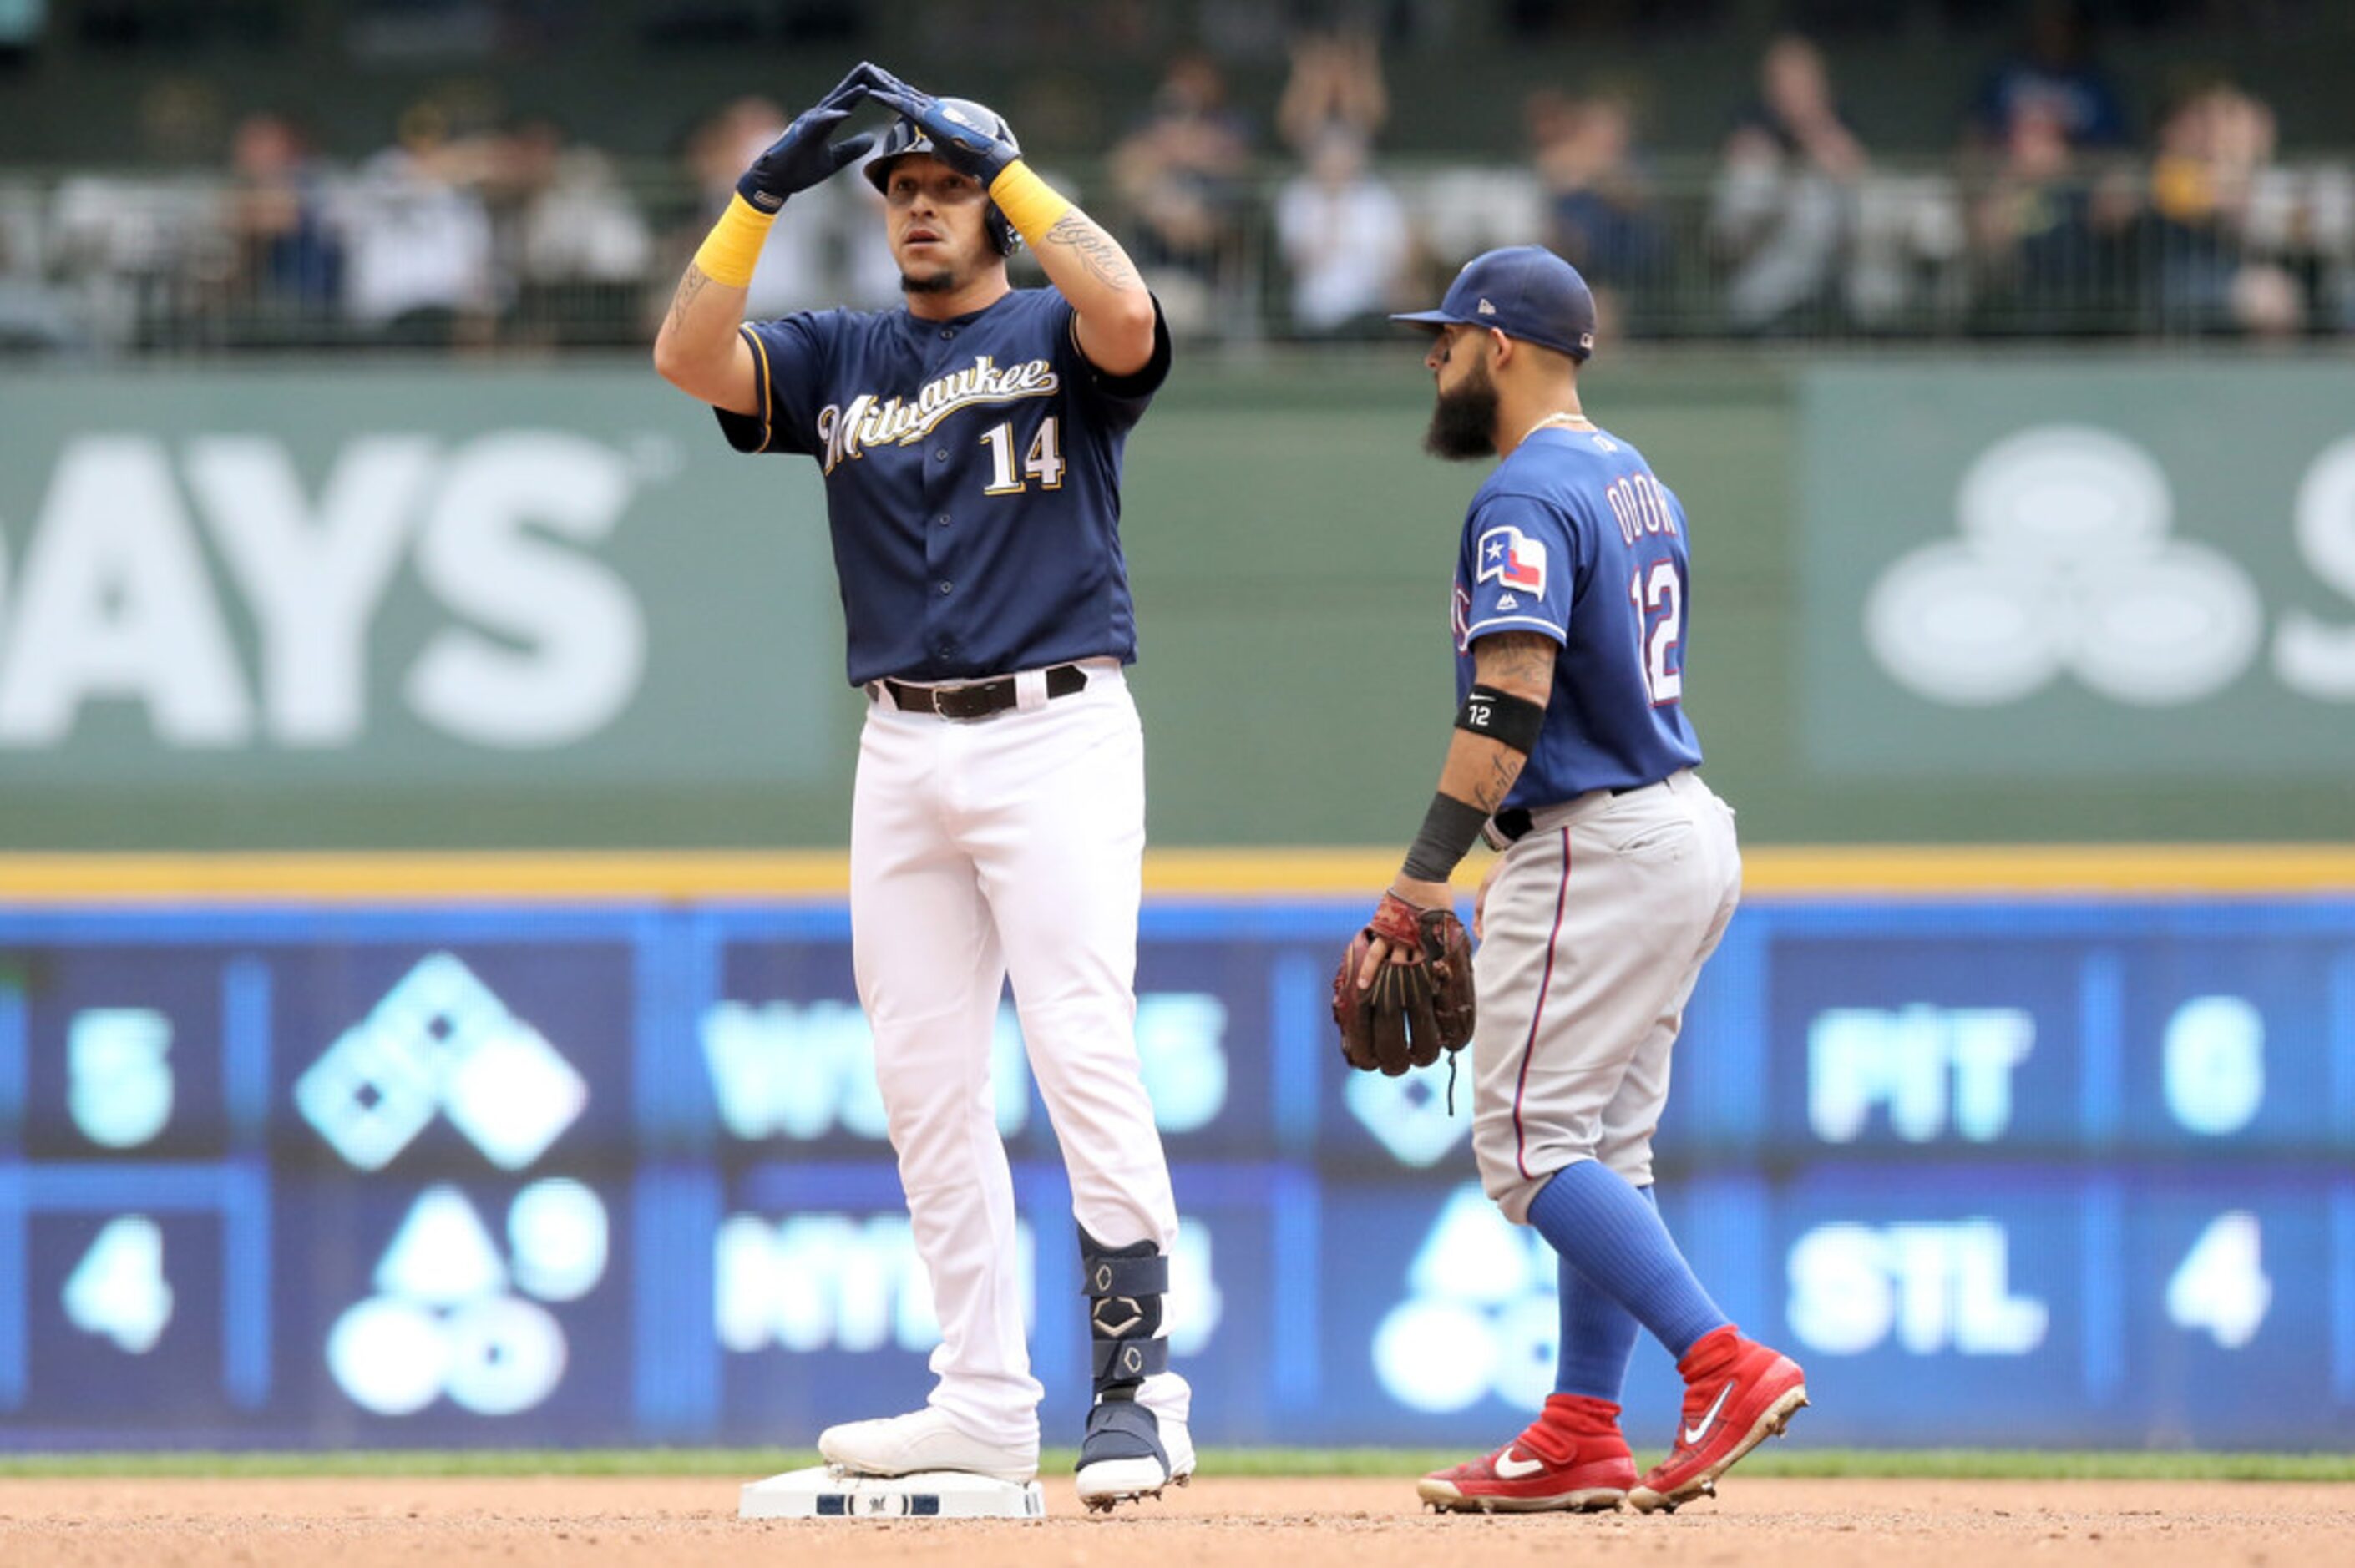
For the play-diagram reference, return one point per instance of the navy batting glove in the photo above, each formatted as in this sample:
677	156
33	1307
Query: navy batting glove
881	83
967	147
803	157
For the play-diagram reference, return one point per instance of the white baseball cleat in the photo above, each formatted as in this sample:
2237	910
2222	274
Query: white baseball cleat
925	1439
1107	1482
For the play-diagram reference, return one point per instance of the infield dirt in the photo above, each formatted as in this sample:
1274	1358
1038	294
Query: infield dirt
1331	1524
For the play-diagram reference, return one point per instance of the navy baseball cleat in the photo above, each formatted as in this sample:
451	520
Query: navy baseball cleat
1131	1453
1738	1393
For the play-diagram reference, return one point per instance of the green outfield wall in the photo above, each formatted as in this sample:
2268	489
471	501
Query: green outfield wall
1936	599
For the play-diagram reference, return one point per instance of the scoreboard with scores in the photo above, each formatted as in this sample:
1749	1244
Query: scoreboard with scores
2041	1173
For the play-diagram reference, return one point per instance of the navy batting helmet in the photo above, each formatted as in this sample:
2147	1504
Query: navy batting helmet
906	137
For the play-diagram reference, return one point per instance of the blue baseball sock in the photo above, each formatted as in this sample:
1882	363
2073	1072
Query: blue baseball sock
1612	1235
1598	1336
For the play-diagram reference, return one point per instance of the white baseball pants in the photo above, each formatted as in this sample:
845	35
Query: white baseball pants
1008	847
1595	929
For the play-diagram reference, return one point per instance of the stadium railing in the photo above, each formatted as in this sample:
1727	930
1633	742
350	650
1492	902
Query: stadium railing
122	263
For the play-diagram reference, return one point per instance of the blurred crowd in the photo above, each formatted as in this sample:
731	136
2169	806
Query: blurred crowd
2050	216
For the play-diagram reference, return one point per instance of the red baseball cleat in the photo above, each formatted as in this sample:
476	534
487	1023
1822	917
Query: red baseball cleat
1738	1393
1571	1458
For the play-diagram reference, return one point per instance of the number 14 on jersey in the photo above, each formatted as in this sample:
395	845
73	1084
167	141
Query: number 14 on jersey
1043	461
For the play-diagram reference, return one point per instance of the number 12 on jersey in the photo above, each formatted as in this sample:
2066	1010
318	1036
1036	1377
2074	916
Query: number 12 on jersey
1043	462
1659	594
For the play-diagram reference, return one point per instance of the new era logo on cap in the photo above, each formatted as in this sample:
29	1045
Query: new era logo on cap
1486	308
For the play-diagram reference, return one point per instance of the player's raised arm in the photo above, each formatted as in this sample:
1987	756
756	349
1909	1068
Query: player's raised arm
1092	270
1086	265
698	349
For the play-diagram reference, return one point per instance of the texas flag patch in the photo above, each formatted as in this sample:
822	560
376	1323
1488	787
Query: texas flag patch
1514	559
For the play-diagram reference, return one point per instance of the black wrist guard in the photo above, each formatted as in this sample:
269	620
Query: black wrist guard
1502	717
1450	829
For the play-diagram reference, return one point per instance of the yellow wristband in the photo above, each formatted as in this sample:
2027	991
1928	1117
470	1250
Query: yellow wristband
732	248
1030	203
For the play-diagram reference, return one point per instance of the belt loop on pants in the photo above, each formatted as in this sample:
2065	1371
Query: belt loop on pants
968	702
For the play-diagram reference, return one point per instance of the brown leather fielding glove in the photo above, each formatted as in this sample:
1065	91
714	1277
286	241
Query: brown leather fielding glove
1415	1009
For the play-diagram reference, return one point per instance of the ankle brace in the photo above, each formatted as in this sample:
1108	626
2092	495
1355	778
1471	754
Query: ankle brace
1124	1286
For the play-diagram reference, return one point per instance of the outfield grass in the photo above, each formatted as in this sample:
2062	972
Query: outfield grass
746	1464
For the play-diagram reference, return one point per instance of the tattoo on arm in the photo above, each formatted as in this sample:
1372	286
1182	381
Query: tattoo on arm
689	286
1515	661
1096	251
1504	767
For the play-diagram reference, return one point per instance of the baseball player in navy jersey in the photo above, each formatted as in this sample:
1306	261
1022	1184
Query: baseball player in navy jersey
971	447
1617	878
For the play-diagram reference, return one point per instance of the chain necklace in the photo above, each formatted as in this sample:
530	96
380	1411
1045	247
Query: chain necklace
1566	420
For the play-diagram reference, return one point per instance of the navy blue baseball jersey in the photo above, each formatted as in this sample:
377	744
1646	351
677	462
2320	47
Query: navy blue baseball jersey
972	478
1573	538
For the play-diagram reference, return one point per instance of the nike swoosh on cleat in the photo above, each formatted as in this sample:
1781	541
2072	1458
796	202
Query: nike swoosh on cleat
1511	1469
1693	1435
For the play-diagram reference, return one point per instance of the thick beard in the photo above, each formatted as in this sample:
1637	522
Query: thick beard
1464	422
941	282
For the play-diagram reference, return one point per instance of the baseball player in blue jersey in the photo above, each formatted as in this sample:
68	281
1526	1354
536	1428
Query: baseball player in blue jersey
1617	876
971	447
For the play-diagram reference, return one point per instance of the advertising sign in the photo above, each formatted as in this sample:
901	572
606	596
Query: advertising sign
403	580
2059	1173
2048	572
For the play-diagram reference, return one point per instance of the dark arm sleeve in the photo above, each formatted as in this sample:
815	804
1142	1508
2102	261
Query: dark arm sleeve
1123	397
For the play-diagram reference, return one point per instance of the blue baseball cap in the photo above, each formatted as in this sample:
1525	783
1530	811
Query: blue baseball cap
1525	292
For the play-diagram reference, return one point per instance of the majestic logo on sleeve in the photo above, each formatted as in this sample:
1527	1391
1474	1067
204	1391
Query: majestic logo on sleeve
1511	558
872	421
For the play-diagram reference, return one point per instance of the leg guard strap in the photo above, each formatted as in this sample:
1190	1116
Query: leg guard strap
1109	1276
1122	1363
